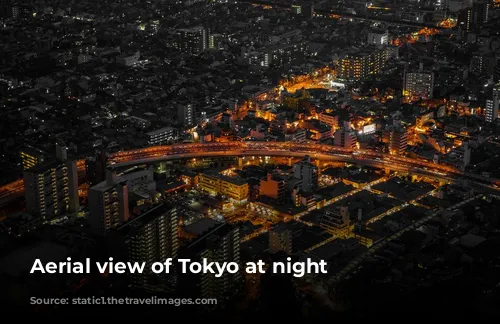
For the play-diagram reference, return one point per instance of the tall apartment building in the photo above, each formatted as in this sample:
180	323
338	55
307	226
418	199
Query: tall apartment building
280	239
491	109
219	244
51	188
461	156
185	114
216	41
192	40
483	64
474	15
307	173
31	157
418	84
493	104
95	168
362	63
496	91
152	237
108	204
398	141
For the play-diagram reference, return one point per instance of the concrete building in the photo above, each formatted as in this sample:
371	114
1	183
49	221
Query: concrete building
161	136
280	239
192	40
273	187
346	137
307	173
233	188
398	142
491	109
358	65
185	115
51	188
108	204
336	220
418	84
220	243
151	237
378	38
31	157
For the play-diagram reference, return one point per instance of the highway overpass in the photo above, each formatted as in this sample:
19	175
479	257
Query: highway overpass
281	149
322	152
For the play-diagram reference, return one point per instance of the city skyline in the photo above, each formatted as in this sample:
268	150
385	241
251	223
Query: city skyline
364	135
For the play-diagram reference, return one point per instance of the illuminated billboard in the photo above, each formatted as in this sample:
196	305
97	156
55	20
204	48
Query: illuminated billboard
369	129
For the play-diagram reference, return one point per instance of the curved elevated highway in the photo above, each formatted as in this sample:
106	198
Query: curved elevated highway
316	151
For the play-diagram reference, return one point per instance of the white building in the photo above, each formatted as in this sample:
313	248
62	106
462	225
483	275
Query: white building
345	137
161	136
491	109
378	38
185	114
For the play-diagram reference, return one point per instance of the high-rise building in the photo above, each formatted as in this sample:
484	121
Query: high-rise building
220	244
465	20
496	91
480	12
108	204
280	239
192	40
185	114
216	41
483	64
307	173
31	157
418	84
362	63
474	15
51	189
398	141
152	237
491	109
95	168
461	156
